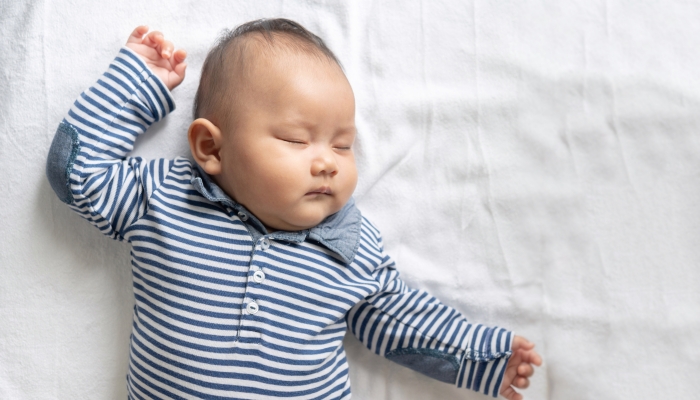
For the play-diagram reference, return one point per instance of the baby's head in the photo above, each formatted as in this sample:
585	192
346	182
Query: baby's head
275	124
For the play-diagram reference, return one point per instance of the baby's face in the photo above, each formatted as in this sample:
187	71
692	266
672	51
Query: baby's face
288	157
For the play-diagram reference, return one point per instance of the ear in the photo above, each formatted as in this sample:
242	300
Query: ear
205	144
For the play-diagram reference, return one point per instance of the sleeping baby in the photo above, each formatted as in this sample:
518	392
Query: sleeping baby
251	263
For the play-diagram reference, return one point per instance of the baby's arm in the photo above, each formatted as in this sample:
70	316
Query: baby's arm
87	166
414	329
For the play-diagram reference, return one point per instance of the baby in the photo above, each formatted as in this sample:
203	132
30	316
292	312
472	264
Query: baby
250	264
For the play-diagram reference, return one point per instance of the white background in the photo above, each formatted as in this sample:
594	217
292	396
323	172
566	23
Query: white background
534	164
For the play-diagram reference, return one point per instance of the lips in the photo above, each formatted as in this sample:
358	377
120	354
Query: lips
321	190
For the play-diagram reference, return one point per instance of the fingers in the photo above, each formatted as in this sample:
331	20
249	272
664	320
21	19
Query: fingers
531	356
535	358
510	393
137	34
521	366
166	49
177	62
520	342
521	382
156	40
525	370
159	55
525	349
153	39
179	56
519	375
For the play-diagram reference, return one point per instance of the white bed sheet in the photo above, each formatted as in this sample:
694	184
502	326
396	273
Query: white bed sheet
549	149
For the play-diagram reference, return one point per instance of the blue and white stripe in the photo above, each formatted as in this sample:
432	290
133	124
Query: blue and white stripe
197	268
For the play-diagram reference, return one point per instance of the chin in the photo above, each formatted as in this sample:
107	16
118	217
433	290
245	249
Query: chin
308	224
310	221
308	218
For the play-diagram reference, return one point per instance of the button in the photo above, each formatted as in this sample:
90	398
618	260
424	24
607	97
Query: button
243	216
252	307
265	244
258	276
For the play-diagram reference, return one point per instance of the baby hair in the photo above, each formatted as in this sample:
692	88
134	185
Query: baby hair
234	53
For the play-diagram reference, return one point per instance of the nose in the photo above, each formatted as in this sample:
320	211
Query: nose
324	163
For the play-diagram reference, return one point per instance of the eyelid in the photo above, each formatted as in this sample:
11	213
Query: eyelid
343	144
343	147
294	141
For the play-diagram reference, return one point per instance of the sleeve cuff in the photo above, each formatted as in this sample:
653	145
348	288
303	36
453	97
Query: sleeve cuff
484	362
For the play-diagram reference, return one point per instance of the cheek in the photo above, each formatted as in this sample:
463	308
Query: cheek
350	171
278	171
250	173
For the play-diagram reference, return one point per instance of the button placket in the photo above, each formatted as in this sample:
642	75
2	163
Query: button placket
258	276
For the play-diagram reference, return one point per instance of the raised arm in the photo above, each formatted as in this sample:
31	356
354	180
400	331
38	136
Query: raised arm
87	164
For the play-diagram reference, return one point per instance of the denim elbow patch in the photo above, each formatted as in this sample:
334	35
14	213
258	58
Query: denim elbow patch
435	364
64	149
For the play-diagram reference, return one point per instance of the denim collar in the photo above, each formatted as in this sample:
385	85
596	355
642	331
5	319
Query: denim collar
339	232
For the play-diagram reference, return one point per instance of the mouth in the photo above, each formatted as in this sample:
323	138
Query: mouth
321	190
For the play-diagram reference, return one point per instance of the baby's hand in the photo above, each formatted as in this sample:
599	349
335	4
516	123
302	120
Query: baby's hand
158	54
519	368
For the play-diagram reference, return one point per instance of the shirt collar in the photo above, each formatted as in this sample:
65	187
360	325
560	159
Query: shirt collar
339	232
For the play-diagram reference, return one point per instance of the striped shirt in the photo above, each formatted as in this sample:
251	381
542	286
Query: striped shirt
226	310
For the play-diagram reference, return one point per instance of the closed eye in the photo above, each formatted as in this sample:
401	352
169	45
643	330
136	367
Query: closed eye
296	142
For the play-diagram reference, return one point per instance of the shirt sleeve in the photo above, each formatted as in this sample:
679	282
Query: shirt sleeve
87	165
414	329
